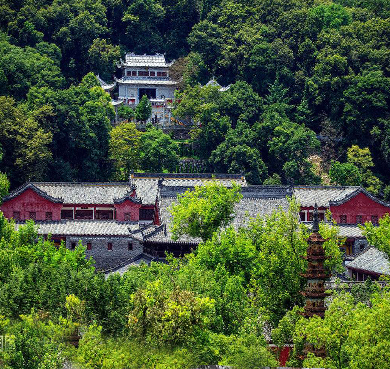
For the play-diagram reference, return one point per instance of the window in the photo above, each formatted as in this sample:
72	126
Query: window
130	246
89	246
302	216
162	74
16	215
66	214
374	219
84	214
343	219
128	73
143	73
321	216
359	219
109	246
49	215
104	214
127	217
134	73
73	245
310	216
32	215
146	214
152	74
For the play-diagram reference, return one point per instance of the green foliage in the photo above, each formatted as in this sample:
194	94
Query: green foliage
295	65
126	112
158	152
201	212
125	143
378	236
23	68
168	318
362	159
345	174
280	241
25	143
4	185
143	109
103	57
248	352
354	335
79	122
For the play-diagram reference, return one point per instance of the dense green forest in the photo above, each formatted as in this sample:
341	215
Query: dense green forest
308	101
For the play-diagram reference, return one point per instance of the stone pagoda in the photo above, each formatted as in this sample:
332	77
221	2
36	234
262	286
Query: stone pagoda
316	275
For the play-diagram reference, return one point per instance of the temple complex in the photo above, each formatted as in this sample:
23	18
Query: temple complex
119	222
145	75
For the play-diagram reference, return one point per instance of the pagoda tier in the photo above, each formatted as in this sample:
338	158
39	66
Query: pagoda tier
315	274
315	287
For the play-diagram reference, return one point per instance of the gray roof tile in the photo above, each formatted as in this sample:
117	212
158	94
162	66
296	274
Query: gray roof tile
85	193
85	227
133	60
147	183
371	260
256	201
146	81
322	195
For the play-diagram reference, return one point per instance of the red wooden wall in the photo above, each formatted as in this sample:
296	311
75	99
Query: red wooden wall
362	205
28	201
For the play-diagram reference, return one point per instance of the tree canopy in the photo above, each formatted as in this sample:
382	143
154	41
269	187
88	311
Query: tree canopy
202	211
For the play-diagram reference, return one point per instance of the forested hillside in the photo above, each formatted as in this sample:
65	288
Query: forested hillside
308	101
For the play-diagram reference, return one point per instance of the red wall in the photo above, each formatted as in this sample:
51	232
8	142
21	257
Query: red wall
127	206
28	201
359	205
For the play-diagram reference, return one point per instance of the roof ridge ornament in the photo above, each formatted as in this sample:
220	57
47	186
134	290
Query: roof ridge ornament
316	226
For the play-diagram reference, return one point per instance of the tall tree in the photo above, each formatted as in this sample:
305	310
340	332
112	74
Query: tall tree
125	142
201	212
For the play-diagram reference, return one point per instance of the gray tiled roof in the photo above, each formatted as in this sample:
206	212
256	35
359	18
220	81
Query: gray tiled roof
85	227
350	231
85	193
371	260
134	262
345	230
146	81
133	60
322	195
147	183
256	201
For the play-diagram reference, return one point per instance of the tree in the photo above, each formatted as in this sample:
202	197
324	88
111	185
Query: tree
362	159
143	110
201	212
4	185
379	236
291	144
22	68
168	318
25	143
281	241
239	158
354	335
332	332
142	18
158	152
80	124
345	174
125	112
124	149
102	58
